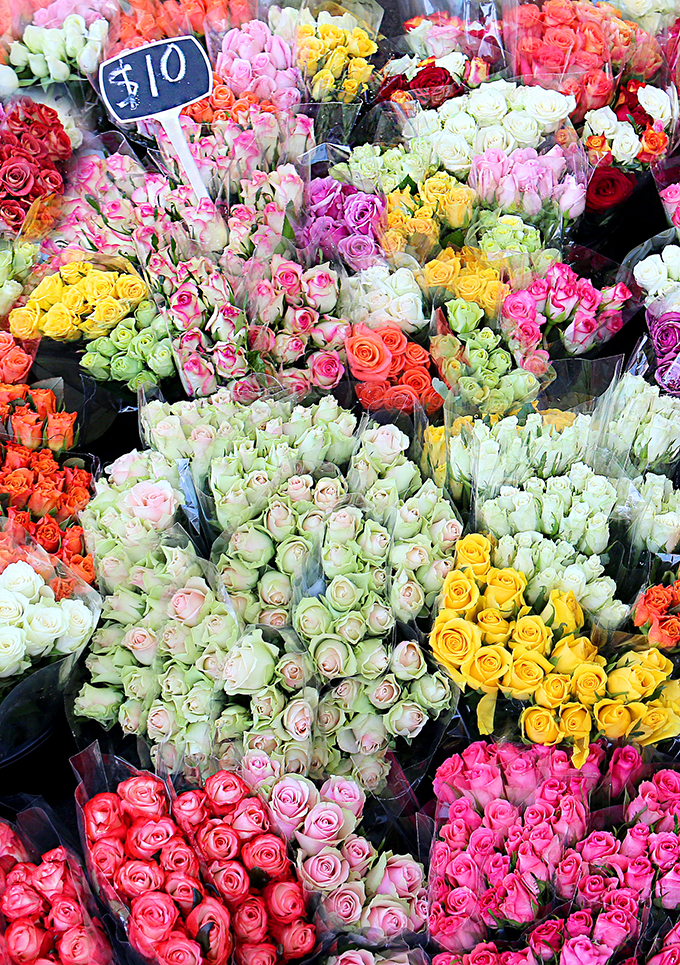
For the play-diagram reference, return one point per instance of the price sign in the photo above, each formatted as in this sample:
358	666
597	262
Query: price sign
157	81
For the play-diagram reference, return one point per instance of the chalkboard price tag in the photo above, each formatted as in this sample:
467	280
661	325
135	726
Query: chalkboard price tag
157	81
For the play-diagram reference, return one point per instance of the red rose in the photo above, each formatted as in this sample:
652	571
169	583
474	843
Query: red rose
296	940
267	853
249	819
231	879
285	901
189	810
135	878
176	855
390	86
17	176
107	855
185	891
48	534
217	840
432	86
65	913
146	837
608	187
22	901
51	879
143	796
20	874
49	181
249	921
263	953
218	933
26	942
103	818
84	945
12	213
152	919
179	950
72	540
224	791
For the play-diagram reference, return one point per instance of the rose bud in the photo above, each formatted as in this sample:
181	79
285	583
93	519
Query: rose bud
146	837
261	954
231	879
185	891
176	855
179	950
143	796
25	941
296	940
65	913
224	791
268	854
220	943
285	901
152	919
217	840
249	921
103	817
21	901
82	945
107	855
135	878
189	810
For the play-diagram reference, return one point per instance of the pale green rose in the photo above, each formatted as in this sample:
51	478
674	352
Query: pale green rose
344	593
250	664
463	316
267	704
333	657
434	692
312	618
339	559
140	683
99	703
232	723
405	719
372	658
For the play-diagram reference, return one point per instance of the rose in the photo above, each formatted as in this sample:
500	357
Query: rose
266	853
146	836
176	855
324	871
249	819
136	878
296	939
231	879
284	901
185	891
249	920
224	791
177	949
608	187
326	824
216	840
107	855
368	357
26	942
83	945
291	799
211	920
103	818
384	917
65	913
262	954
152	918
21	901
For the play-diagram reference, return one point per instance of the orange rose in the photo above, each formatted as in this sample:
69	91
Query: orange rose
44	401
83	567
9	393
18	485
416	354
44	498
371	394
15	365
417	378
62	588
653	144
431	401
222	97
72	541
654	603
48	534
665	632
401	398
27	428
398	363
368	357
597	144
60	430
394	339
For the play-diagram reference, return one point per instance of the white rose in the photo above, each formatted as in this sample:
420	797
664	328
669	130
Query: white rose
598	593
671	259
463	124
549	107
53	44
59	70
572	578
88	58
454	152
488	106
603	121
78	627
409	310
494	137
21	578
38	65
34	38
403	282
98	31
454	63
523	127
9	82
18	55
426	122
12	607
12	651
651	273
626	143
43	624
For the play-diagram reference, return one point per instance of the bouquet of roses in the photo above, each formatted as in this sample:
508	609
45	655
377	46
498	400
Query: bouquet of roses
31	418
46	906
15	361
392	372
60	52
164	862
382	297
431	81
251	59
663	322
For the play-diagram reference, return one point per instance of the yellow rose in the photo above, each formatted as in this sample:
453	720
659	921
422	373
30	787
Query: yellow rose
576	723
484	669
60	323
439	274
336	62
109	311
74	299
572	651
588	683
557	418
562	613
527	672
131	288
495	628
631	683
422	226
322	84
454	640
469	287
331	35
461	594
651	659
659	723
451	257
359	69
350	89
539	726
616	719
492	296
396	218
554	690
48	292
360	44
392	241
457	206
505	590
98	284
670	694
310	51
305	30
435	189
473	552
73	272
530	632
434	454
24	322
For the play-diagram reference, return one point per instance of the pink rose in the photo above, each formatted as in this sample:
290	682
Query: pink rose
579	923
664	850
185	307
592	888
598	847
320	287
519	898
645	806
300	321
614	928
401	877
546	939
325	369
568	874
520	307
530	864
481	784
614	297
152	502
326	824
572	819
348	794
230	362
187	604
582	951
291	800
483	842
325	871
384	918
499	815
668	889
496	868
444	777
288	276
345	905
624	768
456	834
636	841
521	780
667	784
624	898
462	870
537	362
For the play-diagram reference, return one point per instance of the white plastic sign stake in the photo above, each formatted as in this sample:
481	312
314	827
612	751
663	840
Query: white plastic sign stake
157	81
